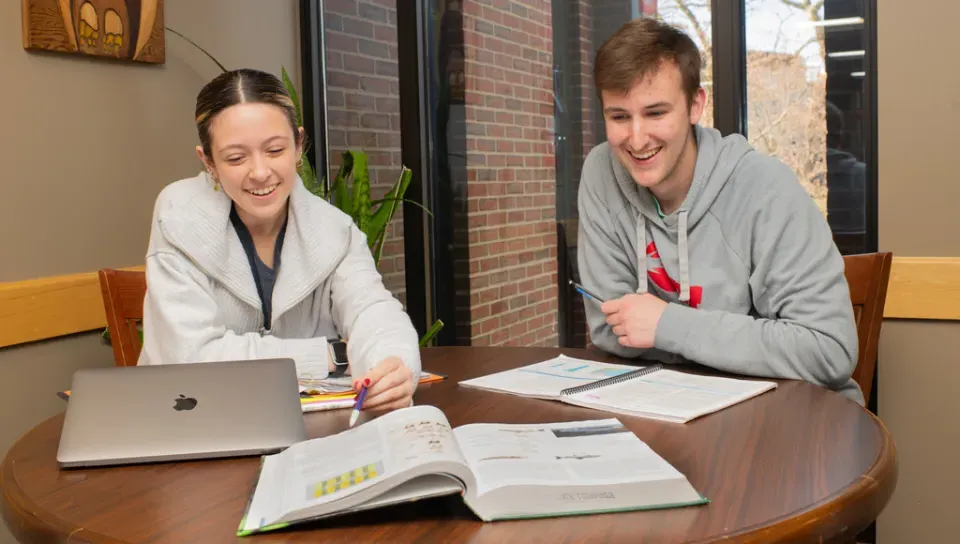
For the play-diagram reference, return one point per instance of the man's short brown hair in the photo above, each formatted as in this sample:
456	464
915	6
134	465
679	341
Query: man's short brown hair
638	49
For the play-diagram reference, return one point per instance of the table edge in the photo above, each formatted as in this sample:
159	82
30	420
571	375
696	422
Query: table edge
25	525
876	485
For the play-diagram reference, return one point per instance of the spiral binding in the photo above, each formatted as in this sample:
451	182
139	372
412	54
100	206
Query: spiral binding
613	380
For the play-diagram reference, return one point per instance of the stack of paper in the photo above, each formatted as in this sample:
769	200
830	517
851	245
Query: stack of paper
334	393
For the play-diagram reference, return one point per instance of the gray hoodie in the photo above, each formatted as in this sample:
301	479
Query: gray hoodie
755	282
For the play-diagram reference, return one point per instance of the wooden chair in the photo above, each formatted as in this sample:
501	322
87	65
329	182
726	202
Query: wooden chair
123	292
868	275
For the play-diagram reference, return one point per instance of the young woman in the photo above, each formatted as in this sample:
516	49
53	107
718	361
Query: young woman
245	263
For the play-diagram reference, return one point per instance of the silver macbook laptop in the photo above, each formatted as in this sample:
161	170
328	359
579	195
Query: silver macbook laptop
144	414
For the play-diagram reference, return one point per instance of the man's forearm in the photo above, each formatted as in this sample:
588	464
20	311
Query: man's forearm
746	345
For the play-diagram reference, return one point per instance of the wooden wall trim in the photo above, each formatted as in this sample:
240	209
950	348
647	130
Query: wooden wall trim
924	288
44	308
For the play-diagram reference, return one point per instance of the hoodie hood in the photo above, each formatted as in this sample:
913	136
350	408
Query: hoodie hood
717	158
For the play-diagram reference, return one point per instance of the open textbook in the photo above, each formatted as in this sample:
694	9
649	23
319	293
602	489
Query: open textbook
502	471
650	391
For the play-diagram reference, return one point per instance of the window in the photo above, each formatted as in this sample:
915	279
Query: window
808	103
694	18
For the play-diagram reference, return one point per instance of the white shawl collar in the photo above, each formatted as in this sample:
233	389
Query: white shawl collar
197	222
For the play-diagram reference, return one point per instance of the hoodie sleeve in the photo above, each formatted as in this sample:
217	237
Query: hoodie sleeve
603	266
805	329
180	313
368	315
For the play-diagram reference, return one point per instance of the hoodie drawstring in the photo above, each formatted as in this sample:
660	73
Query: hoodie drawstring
641	254
684	258
682	252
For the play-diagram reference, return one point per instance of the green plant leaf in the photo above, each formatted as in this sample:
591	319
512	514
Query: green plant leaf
381	218
322	182
305	170
202	50
105	335
292	90
417	204
310	180
361	190
434	329
309	177
340	190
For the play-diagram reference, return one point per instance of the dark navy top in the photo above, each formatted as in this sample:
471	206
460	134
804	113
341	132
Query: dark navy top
263	276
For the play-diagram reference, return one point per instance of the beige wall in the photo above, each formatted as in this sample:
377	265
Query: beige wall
80	134
919	190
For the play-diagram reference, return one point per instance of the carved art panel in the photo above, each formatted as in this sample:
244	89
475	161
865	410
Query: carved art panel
120	29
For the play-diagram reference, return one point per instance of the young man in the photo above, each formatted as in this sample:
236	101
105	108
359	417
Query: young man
703	249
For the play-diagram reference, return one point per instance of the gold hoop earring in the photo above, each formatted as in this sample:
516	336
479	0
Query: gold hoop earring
216	182
300	161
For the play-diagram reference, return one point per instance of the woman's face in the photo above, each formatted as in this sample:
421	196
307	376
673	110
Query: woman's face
254	154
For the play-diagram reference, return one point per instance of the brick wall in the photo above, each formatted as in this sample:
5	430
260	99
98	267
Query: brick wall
508	123
588	51
363	105
511	173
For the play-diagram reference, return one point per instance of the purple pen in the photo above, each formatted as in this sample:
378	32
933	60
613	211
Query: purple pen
358	406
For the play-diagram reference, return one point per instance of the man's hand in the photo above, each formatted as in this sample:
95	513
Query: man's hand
634	318
389	386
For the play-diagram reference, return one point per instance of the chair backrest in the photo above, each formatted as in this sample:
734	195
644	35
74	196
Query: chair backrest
123	292
868	275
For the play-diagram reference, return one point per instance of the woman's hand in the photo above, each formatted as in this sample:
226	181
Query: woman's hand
389	386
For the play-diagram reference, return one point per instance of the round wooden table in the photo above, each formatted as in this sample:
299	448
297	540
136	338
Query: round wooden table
798	464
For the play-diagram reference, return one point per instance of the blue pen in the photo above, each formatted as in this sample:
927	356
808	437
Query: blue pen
358	406
584	292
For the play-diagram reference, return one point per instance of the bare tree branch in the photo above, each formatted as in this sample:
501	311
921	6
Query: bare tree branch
804	46
786	116
684	7
776	42
766	130
812	10
797	5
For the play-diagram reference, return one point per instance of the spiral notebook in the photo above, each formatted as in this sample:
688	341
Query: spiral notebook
649	391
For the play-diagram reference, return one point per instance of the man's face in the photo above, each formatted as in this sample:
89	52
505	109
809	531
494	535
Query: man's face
648	128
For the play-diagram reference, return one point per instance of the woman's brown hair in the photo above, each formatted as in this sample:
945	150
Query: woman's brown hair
240	87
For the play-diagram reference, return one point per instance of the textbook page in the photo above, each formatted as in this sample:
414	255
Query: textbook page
580	453
548	378
328	470
670	395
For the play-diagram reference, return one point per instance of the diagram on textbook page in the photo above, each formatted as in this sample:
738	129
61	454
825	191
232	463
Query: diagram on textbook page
576	369
353	477
548	379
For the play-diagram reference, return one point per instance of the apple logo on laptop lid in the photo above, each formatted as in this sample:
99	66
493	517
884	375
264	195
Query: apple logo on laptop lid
184	403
